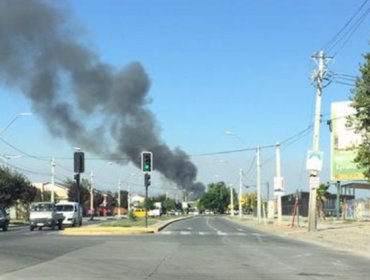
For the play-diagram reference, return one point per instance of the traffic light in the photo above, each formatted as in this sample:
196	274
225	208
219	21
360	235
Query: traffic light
147	180
147	162
79	162
77	177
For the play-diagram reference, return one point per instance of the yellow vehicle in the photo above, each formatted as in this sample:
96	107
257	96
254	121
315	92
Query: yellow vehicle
139	212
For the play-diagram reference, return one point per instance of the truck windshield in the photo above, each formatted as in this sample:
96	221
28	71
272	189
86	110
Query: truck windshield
42	207
65	208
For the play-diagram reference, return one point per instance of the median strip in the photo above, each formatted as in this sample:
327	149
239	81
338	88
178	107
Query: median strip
107	229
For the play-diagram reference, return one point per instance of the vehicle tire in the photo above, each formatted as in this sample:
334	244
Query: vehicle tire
73	223
32	228
5	226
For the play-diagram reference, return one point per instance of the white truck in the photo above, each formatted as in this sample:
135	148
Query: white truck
44	214
71	211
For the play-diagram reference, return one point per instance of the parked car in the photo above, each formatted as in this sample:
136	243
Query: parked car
71	211
4	220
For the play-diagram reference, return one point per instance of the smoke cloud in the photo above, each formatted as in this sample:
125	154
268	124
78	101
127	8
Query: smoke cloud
42	55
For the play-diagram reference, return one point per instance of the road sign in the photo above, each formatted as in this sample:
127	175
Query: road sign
314	161
278	186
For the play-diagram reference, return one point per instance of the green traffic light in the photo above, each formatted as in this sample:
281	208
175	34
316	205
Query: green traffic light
146	166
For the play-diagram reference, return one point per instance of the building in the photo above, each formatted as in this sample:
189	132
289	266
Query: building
60	191
329	207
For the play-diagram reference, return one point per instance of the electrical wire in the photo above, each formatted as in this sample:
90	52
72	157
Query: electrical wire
353	30
341	34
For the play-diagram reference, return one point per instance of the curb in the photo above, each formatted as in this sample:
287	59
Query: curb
93	230
105	231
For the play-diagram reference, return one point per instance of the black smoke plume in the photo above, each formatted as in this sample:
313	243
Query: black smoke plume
44	57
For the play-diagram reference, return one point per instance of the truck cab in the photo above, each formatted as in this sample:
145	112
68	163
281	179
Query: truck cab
44	214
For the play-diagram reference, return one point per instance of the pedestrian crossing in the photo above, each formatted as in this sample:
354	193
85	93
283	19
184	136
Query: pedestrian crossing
211	233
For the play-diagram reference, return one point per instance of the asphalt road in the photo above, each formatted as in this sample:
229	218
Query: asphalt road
204	247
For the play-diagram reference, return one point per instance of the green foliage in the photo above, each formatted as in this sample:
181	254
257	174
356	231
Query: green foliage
250	200
73	192
217	198
322	192
361	102
169	205
13	187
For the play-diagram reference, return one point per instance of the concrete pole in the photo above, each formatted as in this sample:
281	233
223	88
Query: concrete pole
258	168
52	179
312	216
129	199
278	176
240	193
91	194
231	201
119	198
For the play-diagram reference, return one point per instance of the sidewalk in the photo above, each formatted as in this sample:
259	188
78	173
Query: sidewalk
345	235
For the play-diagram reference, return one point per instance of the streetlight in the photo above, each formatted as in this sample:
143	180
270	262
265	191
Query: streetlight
230	133
13	120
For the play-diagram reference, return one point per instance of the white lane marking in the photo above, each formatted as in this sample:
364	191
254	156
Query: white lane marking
239	229
189	228
210	226
203	233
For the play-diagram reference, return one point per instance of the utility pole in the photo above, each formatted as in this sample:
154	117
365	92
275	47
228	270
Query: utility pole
240	193
258	168
278	184
119	198
91	195
52	179
232	201
320	59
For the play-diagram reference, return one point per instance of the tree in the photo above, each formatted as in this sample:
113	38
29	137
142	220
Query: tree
217	198
73	192
13	187
361	121
321	194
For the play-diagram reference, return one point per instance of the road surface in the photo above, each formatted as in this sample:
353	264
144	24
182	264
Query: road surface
203	247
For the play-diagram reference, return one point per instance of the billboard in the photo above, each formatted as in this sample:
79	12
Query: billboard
344	143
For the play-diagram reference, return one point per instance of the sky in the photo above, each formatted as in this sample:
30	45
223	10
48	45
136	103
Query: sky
214	66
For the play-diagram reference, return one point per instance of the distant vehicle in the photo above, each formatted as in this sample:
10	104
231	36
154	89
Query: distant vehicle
154	213
4	220
72	213
139	212
44	214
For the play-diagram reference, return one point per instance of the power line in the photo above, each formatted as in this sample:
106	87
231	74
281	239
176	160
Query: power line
339	36
353	30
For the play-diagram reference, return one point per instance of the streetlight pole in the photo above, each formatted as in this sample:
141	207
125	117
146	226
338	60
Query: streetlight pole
91	195
119	198
231	201
52	179
258	173
240	193
13	120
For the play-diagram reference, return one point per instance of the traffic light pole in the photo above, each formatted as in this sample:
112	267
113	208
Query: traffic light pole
146	206
77	176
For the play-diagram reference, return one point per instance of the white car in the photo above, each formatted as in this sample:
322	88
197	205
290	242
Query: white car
72	213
